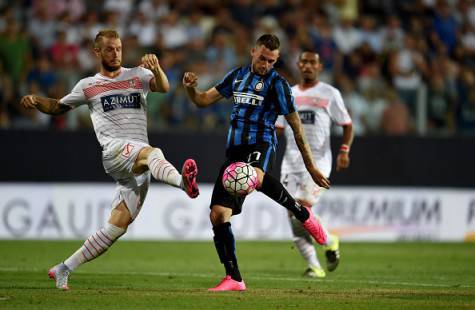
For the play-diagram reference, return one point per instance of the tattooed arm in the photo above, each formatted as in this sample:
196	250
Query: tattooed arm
294	121
45	105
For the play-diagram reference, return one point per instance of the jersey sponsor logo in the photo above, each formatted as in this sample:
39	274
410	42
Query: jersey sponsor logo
247	98
119	101
307	117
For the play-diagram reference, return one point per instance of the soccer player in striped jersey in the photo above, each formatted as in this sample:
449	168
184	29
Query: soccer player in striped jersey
259	94
116	97
318	104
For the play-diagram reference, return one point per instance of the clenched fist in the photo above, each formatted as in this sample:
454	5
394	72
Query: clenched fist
28	102
190	79
342	161
150	61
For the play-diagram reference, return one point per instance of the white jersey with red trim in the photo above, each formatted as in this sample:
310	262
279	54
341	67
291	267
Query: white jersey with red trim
117	105
318	107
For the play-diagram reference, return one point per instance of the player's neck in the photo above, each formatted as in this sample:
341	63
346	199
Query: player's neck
304	84
110	74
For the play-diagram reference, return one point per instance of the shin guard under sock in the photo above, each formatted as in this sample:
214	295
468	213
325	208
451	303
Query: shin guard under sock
226	248
275	190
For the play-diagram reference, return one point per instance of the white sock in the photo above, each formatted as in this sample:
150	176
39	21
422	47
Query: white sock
303	242
329	239
95	245
162	170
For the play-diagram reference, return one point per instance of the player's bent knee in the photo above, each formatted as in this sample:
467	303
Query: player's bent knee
219	215
120	216
156	153
260	177
142	160
304	202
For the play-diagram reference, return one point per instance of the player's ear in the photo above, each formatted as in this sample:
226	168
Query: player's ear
97	51
320	67
253	51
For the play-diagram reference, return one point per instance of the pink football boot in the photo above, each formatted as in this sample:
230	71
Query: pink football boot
313	226
228	284
189	173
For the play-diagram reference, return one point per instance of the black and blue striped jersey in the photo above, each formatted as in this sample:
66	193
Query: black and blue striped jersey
258	100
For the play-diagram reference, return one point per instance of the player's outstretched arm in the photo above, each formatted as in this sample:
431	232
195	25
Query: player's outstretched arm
343	158
160	82
45	105
200	99
294	121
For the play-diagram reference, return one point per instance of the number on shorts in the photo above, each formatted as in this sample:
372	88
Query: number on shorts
254	157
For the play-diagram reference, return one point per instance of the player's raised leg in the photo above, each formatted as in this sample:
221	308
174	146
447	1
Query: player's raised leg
94	246
189	172
162	170
271	187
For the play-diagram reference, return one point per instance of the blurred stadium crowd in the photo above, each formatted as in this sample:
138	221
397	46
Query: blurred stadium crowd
403	66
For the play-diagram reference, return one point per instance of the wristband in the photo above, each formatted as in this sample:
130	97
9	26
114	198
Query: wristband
344	148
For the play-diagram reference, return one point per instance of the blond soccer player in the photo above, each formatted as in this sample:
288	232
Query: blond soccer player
116	97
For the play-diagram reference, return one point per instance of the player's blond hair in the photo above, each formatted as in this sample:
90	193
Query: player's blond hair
105	33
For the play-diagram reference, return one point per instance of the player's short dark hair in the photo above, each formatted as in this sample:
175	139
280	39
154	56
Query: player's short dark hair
305	51
106	33
269	40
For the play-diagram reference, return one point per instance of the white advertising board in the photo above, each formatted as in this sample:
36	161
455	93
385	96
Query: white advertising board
74	211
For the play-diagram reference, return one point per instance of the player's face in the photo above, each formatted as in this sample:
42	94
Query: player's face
110	54
263	59
309	66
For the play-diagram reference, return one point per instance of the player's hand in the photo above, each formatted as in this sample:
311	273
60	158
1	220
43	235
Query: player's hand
319	178
342	161
150	61
28	102
190	79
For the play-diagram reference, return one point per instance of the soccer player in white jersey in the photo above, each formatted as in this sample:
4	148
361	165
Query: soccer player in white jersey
319	104
116	97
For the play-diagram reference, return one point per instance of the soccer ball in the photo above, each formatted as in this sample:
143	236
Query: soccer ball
239	179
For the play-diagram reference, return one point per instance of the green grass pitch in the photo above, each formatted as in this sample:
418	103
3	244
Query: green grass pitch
175	275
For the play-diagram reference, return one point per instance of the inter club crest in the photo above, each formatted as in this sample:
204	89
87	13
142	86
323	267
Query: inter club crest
259	86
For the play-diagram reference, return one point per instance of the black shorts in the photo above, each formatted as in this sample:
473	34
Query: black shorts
258	155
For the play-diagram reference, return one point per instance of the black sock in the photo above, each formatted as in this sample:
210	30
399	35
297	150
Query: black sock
275	190
226	248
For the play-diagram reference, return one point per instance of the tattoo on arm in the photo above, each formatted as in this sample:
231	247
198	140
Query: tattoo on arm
51	106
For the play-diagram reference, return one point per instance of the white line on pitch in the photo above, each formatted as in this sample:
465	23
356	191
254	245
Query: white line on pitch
260	277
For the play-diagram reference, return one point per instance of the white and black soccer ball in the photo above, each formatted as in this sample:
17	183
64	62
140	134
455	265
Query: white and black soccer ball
239	179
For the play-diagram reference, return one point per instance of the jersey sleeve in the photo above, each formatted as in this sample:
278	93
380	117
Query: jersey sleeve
145	76
337	110
225	86
285	99
76	97
280	122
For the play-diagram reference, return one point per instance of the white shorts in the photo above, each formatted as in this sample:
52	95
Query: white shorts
302	187
118	158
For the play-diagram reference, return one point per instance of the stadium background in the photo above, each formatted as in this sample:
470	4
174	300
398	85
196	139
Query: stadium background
406	71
